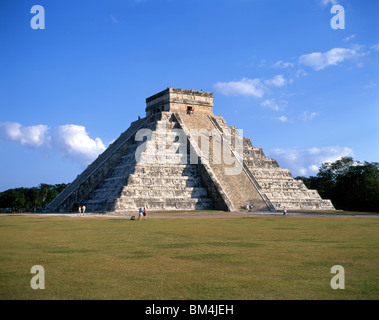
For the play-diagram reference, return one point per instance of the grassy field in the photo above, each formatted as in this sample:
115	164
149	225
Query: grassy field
227	259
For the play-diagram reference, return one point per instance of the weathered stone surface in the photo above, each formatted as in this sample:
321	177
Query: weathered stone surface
173	160
174	100
277	184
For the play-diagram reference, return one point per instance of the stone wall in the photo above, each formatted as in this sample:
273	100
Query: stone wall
173	99
236	187
275	183
160	179
77	191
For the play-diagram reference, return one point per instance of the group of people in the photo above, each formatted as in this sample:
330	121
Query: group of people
142	213
249	207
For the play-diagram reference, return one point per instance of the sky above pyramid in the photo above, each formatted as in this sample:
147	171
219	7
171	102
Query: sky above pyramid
299	88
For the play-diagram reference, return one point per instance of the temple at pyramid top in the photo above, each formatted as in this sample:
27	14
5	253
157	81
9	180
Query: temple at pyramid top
173	100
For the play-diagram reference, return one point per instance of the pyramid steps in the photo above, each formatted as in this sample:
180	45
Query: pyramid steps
278	184
173	192
85	183
166	167
161	180
237	188
164	204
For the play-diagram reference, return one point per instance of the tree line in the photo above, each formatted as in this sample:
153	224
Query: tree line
350	185
34	198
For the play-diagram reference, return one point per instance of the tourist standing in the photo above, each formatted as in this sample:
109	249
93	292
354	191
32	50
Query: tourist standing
144	212
140	213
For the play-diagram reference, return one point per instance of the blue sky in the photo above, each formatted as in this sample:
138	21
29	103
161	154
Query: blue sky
304	92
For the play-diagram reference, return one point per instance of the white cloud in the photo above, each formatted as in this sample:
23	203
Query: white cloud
282	119
277	81
249	87
73	141
375	47
370	85
349	38
281	64
244	87
313	168
10	131
274	104
32	136
333	57
307	115
327	2
300	73
70	140
308	161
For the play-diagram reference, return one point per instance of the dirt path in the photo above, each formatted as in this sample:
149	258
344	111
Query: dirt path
200	215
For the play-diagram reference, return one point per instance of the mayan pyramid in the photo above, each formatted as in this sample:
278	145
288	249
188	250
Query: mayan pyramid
183	157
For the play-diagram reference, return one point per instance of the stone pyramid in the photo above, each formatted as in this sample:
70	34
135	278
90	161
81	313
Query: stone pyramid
182	157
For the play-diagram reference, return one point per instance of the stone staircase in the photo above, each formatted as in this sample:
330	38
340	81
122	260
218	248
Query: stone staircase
162	179
157	170
99	169
171	160
277	184
237	187
285	191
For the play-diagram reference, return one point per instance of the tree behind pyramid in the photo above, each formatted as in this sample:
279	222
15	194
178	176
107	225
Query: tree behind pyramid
183	157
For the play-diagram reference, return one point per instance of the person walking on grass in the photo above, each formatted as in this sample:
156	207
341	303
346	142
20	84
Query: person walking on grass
284	212
140	213
144	212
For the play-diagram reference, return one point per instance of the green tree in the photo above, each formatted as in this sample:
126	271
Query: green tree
349	184
33	196
358	188
328	175
30	197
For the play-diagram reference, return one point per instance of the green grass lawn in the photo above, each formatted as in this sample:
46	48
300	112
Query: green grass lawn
242	258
